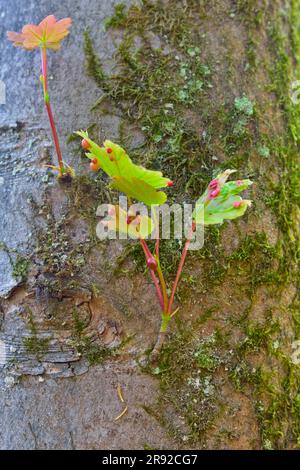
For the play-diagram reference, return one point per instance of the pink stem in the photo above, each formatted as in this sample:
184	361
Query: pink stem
158	290
145	247
49	110
180	267
157	247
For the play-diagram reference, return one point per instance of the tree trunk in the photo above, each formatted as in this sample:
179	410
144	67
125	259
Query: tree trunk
199	86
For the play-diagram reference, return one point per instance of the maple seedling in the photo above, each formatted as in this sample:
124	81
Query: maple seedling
221	201
46	35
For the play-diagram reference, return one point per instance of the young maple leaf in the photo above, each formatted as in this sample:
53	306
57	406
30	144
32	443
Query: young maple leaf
47	34
221	201
134	226
129	178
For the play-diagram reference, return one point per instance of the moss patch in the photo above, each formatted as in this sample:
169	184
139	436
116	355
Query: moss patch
85	345
34	344
20	264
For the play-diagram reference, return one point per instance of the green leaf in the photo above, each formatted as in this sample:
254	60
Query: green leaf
234	187
139	189
227	205
121	164
219	211
153	178
118	223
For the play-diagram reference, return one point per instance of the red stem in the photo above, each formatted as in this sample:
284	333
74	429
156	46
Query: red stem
49	110
180	267
145	247
163	288
158	290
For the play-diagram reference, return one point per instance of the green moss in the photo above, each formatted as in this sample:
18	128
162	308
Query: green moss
146	96
35	344
284	197
251	244
276	405
236	133
61	257
20	264
118	18
94	67
256	259
205	356
87	346
252	14
243	374
251	52
258	336
86	194
275	395
185	370
20	268
92	351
